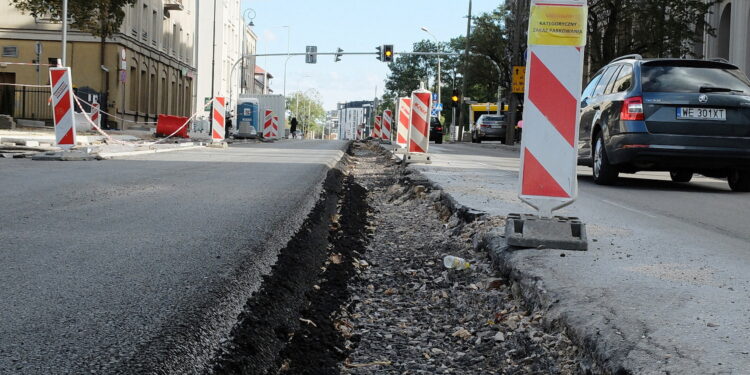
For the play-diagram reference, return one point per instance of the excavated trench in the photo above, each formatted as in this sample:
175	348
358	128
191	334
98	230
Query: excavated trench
288	323
355	291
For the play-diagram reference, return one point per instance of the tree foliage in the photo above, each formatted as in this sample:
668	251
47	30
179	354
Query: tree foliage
101	18
307	107
652	28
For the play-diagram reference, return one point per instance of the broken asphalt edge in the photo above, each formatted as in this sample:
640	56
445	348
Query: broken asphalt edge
607	350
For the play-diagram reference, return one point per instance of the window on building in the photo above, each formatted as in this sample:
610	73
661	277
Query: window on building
173	107
143	90
165	37
164	96
175	39
181	45
144	23
133	105
154	26
10	51
154	96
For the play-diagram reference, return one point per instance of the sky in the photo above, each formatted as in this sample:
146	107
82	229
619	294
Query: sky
354	26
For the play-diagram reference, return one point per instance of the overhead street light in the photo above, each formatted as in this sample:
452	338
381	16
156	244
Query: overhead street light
438	65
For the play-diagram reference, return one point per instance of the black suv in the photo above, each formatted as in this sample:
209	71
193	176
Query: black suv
678	115
436	130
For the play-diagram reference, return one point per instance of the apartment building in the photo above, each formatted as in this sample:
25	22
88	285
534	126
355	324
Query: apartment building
147	68
731	21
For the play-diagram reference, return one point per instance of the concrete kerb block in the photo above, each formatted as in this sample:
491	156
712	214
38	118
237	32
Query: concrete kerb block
72	155
218	145
417	157
531	231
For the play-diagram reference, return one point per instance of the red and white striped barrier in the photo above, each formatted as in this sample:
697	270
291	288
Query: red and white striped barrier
376	128
275	127
385	128
219	110
402	127
267	123
62	107
95	117
419	121
548	179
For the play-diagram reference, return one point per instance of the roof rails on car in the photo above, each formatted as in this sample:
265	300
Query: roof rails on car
626	57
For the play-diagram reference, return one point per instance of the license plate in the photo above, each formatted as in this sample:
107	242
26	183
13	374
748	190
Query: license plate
496	126
715	114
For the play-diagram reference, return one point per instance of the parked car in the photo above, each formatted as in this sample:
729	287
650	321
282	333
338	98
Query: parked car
436	130
683	116
489	127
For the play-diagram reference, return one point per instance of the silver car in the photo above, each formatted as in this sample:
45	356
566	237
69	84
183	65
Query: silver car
489	127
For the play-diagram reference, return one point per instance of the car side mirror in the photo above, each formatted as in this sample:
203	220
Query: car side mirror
584	102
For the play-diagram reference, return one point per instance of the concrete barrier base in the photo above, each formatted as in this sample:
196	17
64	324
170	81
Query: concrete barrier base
531	231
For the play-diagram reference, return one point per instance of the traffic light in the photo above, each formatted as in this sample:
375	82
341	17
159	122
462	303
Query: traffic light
338	55
380	52
455	97
388	53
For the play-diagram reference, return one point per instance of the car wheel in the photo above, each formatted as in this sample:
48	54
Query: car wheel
439	140
604	173
739	180
502	140
681	176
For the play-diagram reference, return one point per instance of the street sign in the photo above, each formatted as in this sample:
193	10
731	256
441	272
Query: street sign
312	55
206	104
519	79
434	97
438	106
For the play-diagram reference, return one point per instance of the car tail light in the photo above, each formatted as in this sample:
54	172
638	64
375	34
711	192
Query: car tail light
485	126
632	109
439	129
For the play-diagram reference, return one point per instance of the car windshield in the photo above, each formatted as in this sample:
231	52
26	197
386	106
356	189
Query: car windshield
493	118
692	79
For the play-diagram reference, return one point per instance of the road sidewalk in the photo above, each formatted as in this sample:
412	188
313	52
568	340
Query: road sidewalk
655	293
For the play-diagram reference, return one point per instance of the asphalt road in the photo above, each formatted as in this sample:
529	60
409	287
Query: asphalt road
107	265
665	284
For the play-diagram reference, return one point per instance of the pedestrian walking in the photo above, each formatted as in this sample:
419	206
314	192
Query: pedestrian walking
293	129
228	125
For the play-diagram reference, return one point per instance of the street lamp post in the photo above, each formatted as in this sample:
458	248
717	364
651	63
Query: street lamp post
64	31
438	64
288	56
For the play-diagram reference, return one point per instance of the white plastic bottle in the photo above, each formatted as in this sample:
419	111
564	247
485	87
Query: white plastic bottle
456	263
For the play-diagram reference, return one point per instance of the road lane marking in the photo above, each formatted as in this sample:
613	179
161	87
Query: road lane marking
629	209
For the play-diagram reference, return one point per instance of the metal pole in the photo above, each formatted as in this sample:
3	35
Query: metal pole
513	102
213	55
64	32
213	75
288	56
462	117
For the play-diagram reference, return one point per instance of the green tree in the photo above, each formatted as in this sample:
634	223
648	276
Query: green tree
307	107
652	28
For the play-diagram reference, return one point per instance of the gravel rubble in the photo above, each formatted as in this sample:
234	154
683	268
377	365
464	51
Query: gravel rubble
408	314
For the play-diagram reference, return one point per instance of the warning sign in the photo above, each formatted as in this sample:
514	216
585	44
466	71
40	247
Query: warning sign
558	25
519	79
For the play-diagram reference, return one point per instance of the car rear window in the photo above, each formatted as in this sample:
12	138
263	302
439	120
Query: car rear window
493	118
691	79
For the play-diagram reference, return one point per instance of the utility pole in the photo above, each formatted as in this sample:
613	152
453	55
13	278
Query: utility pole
213	74
519	8
64	32
462	116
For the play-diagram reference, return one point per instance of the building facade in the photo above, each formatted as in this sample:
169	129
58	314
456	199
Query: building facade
147	68
223	38
731	21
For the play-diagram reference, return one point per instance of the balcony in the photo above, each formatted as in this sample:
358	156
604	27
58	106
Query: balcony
170	5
